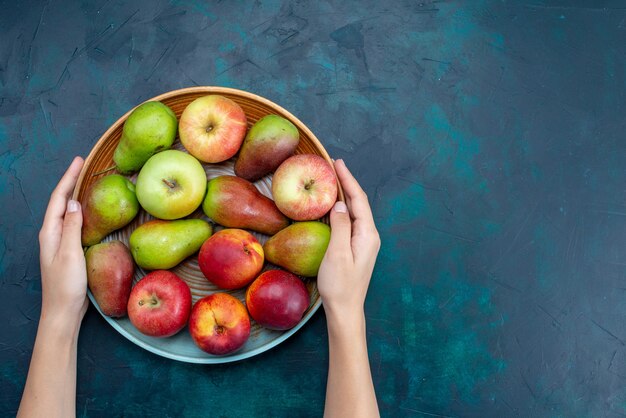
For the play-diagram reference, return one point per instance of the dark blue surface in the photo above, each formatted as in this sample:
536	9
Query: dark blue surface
489	136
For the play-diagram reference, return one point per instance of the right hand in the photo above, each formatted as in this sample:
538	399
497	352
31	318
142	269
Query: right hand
346	269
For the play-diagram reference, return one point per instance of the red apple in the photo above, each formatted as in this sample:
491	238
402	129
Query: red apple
304	187
159	304
219	324
277	299
212	128
231	258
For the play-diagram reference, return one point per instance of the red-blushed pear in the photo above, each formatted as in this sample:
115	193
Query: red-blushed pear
270	141
231	258
171	185
159	304
109	204
110	270
219	324
299	248
212	128
235	203
277	299
304	187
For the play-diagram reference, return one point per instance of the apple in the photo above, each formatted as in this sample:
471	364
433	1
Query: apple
304	187
212	128
159	304
231	258
219	324
277	299
171	185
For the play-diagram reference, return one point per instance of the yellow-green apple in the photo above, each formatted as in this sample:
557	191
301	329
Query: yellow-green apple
110	270
171	185
219	324
212	128
159	304
277	299
299	248
235	203
304	187
231	258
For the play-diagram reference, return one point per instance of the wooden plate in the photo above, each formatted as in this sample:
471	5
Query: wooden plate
181	346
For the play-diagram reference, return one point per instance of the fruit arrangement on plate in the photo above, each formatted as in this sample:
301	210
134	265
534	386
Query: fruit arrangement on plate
204	236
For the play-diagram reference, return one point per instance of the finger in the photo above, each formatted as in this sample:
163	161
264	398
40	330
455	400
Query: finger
355	196
52	227
72	223
341	231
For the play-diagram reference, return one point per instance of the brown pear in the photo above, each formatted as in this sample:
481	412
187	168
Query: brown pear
110	270
235	203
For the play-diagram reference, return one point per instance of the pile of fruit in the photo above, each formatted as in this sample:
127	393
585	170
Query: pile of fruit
170	186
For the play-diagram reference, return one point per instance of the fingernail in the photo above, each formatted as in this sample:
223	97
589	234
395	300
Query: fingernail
72	206
340	207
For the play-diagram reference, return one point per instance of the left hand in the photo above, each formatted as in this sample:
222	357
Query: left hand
63	271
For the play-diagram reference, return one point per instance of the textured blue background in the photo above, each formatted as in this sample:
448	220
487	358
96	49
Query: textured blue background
489	136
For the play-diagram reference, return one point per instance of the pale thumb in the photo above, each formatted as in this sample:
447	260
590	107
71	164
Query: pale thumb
341	229
72	224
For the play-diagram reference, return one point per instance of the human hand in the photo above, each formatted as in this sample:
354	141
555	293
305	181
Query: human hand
346	269
63	271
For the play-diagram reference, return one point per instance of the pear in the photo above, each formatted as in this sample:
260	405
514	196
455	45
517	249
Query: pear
109	204
160	245
269	142
235	203
299	248
110	271
150	128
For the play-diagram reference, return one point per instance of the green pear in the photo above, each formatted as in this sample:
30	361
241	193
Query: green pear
235	203
270	141
150	128
299	248
160	245
109	204
110	270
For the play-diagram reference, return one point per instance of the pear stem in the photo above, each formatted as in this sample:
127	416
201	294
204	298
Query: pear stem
103	171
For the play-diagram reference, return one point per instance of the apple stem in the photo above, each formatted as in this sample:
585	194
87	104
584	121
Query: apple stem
308	185
169	184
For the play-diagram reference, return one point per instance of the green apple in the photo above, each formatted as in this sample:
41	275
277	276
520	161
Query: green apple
171	185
